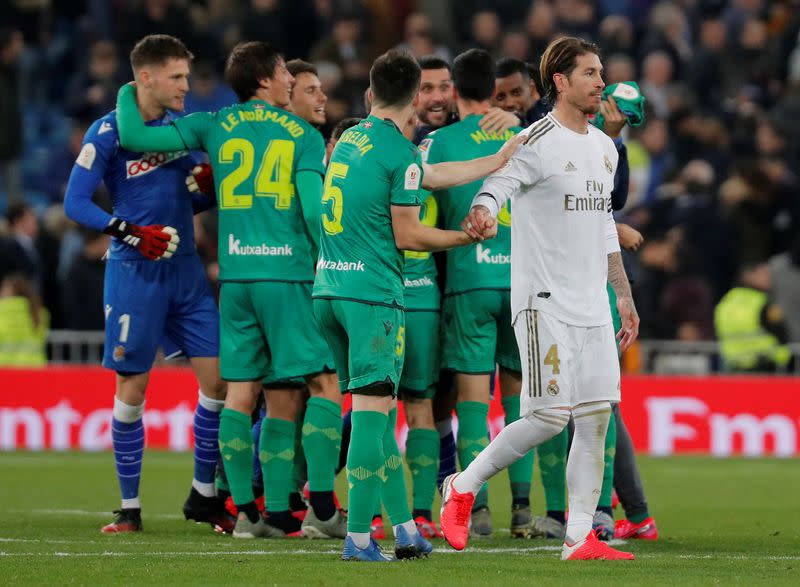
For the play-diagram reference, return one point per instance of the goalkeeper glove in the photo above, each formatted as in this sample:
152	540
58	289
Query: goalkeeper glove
154	242
201	180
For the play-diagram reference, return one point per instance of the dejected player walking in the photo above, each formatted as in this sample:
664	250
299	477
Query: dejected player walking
564	250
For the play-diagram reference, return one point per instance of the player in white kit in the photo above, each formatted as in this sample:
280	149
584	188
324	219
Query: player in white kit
564	249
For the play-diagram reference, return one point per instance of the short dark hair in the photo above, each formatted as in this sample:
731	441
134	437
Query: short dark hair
247	65
342	126
157	50
428	62
17	210
533	73
508	66
473	75
561	56
298	66
394	79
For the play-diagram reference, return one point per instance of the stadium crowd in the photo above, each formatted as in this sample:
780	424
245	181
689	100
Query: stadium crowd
713	183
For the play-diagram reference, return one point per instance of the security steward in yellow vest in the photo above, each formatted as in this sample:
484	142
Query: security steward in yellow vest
750	327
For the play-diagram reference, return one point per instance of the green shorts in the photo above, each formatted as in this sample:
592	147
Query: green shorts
367	341
477	332
421	365
268	332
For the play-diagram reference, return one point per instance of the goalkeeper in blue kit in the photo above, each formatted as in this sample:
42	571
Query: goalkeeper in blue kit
156	293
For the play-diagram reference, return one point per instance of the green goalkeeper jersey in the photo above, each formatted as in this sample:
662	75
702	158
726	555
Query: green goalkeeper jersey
255	151
372	168
485	265
419	275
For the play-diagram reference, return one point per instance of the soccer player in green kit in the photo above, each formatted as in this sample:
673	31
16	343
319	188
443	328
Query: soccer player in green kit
477	331
371	211
268	168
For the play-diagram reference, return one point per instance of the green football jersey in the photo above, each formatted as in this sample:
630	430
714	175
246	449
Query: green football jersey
255	152
419	275
485	265
372	168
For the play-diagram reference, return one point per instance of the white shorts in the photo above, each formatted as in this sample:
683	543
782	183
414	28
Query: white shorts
565	365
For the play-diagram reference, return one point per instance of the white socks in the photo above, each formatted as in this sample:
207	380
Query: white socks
127	413
585	467
410	526
360	539
513	442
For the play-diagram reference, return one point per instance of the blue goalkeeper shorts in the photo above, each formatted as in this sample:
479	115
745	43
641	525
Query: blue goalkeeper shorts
153	303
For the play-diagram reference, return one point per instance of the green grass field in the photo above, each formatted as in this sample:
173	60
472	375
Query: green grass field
722	522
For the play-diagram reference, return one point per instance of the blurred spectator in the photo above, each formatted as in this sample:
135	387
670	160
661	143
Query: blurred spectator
207	91
18	252
418	37
785	271
263	20
485	33
750	326
167	17
619	68
576	18
657	70
11	136
82	290
540	26
616	35
24	324
706	73
516	45
92	93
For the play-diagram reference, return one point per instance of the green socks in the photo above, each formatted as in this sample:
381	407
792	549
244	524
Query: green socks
322	439
236	448
553	466
276	453
422	455
520	473
393	492
608	462
473	437
365	469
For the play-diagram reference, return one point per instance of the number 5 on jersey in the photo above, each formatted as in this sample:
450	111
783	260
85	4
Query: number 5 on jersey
332	200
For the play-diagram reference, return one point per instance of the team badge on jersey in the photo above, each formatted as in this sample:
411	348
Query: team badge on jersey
607	162
368	124
552	387
119	353
87	156
413	173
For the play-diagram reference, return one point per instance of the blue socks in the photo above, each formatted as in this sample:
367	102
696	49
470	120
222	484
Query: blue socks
447	450
127	435
206	444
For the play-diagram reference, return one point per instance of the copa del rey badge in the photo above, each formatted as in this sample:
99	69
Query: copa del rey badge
413	173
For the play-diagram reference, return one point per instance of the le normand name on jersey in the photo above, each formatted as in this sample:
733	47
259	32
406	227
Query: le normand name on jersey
235	247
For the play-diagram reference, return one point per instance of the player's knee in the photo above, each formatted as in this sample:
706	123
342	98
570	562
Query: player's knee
591	408
127	413
552	419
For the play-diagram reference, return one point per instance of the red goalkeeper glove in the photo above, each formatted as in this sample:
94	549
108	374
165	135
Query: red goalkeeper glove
154	242
201	180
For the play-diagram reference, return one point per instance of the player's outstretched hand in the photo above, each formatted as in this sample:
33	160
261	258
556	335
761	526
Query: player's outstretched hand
154	242
479	224
629	332
497	120
201	180
630	239
507	151
613	118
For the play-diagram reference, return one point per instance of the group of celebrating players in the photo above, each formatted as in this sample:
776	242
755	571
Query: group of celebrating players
328	286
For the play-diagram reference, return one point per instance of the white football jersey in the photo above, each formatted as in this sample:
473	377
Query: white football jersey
562	228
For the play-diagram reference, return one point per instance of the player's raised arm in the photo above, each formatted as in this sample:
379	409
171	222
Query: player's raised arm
439	176
136	136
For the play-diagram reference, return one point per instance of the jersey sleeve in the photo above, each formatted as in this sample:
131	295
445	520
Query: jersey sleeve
136	136
612	238
193	129
99	146
524	169
312	156
406	182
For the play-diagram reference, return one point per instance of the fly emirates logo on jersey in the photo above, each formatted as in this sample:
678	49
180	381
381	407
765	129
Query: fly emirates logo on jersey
236	248
150	162
593	201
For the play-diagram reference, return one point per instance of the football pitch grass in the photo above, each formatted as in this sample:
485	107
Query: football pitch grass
722	522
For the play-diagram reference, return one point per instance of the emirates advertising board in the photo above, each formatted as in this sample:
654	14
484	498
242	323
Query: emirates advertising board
69	408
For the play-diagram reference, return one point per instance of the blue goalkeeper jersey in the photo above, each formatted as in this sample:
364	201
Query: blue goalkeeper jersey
145	188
